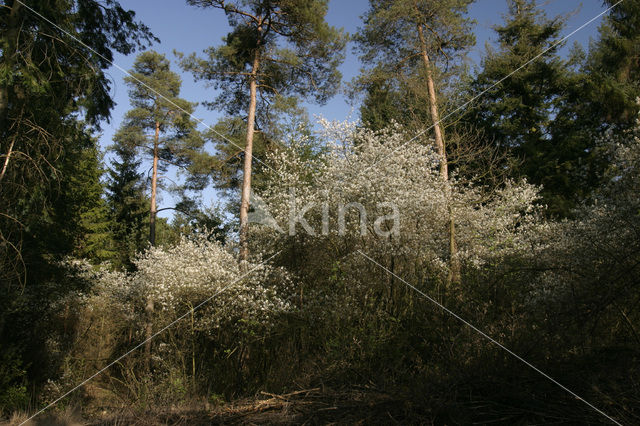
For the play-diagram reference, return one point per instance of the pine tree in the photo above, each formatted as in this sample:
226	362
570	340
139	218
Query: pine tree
127	205
599	96
92	224
402	39
614	65
517	114
276	49
159	125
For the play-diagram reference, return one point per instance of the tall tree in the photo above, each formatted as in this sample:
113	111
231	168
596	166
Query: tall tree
127	205
277	48
408	38
614	65
159	126
518	113
82	203
601	96
48	81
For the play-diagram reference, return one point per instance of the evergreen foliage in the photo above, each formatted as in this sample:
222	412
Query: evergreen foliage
613	66
394	79
53	94
159	127
518	114
127	204
280	50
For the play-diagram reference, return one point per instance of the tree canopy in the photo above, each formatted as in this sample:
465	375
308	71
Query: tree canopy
53	94
159	126
281	49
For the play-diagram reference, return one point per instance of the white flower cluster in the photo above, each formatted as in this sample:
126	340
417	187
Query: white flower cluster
375	174
180	277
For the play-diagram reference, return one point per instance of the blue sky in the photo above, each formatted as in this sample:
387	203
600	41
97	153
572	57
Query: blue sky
189	29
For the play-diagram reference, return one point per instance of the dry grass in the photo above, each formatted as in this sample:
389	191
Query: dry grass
308	406
68	417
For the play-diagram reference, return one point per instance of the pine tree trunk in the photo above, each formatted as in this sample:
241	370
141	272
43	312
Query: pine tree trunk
246	178
152	239
454	263
154	188
433	104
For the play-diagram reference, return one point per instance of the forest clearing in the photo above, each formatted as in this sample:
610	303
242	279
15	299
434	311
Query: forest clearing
319	212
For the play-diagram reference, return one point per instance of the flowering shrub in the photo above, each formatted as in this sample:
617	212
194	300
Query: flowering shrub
597	252
365	317
543	288
223	305
180	277
378	174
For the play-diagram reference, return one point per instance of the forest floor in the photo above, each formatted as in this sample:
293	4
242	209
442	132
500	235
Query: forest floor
310	406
